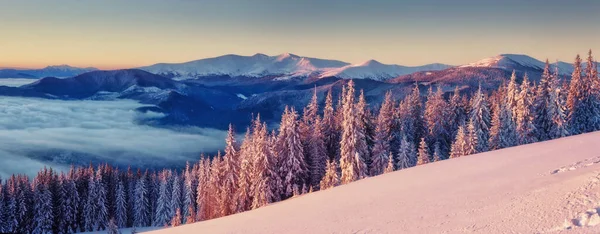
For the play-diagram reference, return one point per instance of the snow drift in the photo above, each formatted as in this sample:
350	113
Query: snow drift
545	187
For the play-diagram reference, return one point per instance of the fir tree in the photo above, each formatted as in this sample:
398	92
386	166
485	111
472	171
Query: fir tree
524	116
113	228
390	165
405	154
317	155
383	136
423	154
436	152
289	150
121	205
230	170
331	178
176	218
578	100
141	203
460	145
244	193
353	143
101	217
329	129
188	190
435	117
175	203
480	120
163	214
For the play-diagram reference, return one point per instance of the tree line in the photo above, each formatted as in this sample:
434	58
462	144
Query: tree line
316	150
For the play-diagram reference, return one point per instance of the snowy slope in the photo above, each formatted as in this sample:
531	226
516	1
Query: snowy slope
520	62
284	65
377	71
545	187
250	66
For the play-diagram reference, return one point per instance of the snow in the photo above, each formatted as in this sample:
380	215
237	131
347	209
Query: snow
285	65
509	61
514	190
242	96
127	230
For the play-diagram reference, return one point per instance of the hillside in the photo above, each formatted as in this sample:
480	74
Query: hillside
538	188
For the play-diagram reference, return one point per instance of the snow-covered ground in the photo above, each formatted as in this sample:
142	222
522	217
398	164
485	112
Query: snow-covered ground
545	187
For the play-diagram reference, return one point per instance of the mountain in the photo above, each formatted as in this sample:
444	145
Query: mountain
282	67
521	62
53	71
377	71
545	187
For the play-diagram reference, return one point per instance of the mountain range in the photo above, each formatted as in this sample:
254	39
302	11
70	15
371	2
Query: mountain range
54	71
284	66
230	89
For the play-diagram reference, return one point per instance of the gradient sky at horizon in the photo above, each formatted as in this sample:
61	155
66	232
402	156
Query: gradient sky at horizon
118	34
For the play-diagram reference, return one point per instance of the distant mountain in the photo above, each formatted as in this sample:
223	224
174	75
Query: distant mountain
282	67
521	62
61	71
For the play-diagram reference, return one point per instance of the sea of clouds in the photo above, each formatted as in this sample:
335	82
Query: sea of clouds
37	132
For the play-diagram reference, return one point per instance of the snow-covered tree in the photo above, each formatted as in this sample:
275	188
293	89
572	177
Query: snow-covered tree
121	205
435	116
162	214
290	153
331	178
91	205
188	191
406	154
512	94
317	159
101	217
460	145
176	221
366	125
353	143
423	153
175	194
230	169
112	228
579	101
141	203
390	165
524	117
329	129
265	179
43	217
480	120
244	193
436	152
383	136
68	202
503	133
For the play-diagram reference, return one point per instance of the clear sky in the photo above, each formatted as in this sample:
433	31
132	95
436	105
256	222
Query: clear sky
126	33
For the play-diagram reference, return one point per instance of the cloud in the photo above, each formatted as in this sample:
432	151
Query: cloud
15	82
37	132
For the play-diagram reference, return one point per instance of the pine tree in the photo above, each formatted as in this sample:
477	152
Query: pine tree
577	100
141	203
512	94
113	228
43	216
317	155
331	178
162	213
69	200
473	139
353	144
366	125
329	129
480	120
383	136
435	116
457	116
188	191
175	195
121	205
524	116
101	217
289	150
244	193
436	152
264	176
230	170
423	155
176	218
390	165
3	209
405	154
460	145
191	217
91	205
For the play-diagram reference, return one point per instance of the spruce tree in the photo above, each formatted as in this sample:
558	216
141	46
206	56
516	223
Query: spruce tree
331	178
290	154
244	195
329	129
121	205
390	165
265	178
524	118
423	154
141	203
480	120
353	143
405	154
317	155
230	169
162	213
175	202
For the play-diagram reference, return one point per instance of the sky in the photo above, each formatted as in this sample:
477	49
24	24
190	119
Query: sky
113	34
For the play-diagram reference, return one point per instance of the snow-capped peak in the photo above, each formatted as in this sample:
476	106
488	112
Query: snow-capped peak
285	66
519	62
